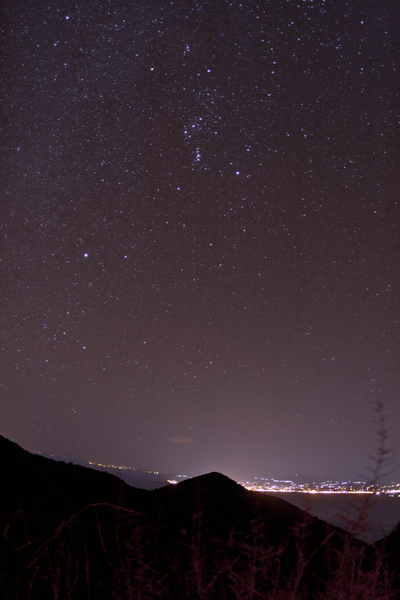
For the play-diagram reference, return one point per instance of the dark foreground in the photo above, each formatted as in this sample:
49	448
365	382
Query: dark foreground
73	533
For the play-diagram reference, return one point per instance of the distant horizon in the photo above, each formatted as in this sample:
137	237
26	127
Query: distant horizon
295	478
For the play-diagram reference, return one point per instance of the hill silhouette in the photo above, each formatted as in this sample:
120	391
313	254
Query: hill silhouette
74	532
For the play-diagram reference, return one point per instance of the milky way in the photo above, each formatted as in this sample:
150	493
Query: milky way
200	240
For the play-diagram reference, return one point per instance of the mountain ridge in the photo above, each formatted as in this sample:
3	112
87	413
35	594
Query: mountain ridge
53	513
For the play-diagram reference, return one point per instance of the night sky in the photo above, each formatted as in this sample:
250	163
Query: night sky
200	233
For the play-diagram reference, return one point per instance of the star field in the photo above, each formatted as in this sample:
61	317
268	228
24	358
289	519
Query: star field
201	233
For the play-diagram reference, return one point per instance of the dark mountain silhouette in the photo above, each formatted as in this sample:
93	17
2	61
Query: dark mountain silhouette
50	489
72	532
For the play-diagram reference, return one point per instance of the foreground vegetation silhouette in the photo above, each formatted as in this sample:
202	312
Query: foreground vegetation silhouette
74	533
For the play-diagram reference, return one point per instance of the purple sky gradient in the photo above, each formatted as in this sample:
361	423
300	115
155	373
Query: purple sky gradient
200	242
